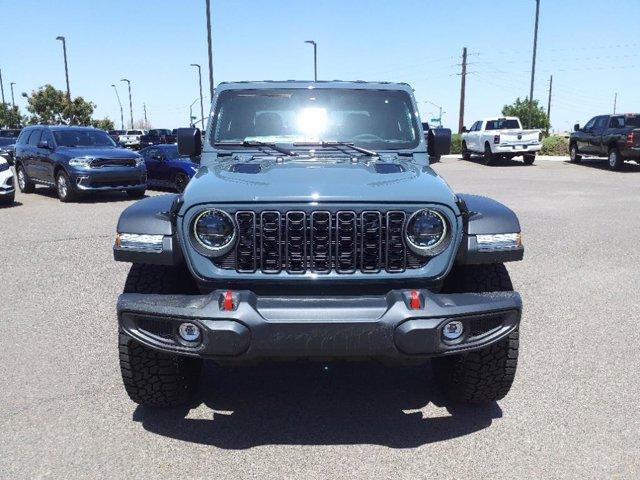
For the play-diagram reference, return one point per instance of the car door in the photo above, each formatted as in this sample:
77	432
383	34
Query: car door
34	166
46	155
151	161
583	136
595	139
472	138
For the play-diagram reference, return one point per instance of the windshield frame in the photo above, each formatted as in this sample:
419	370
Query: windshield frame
297	145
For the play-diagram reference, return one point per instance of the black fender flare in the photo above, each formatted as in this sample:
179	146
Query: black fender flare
485	216
151	216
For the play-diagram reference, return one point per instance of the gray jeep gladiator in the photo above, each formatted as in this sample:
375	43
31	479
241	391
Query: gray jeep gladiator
316	229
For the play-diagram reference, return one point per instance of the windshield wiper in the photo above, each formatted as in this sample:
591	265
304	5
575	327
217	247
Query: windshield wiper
334	144
256	143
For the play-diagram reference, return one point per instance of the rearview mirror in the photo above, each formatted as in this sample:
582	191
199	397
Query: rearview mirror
576	127
439	142
189	141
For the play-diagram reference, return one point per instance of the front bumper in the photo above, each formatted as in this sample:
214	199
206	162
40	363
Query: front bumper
517	149
384	327
91	180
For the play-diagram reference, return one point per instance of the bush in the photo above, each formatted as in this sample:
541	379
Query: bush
456	144
555	145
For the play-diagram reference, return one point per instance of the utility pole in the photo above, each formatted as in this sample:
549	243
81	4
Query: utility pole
209	47
66	69
144	107
463	79
615	102
119	103
315	58
13	101
1	86
200	83
130	103
549	104
533	63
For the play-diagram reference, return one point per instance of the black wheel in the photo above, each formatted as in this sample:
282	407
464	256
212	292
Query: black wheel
529	158
137	193
574	155
24	182
434	159
180	181
153	378
489	157
615	159
66	191
466	155
484	375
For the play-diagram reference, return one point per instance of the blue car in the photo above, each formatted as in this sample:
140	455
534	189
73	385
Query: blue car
167	168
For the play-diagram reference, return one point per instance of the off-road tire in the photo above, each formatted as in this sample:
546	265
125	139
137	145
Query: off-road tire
529	159
466	155
137	193
484	375
27	186
150	377
489	157
574	155
615	159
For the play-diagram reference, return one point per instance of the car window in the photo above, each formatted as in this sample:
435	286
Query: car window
616	122
601	122
502	124
134	132
590	123
34	139
23	138
46	135
478	126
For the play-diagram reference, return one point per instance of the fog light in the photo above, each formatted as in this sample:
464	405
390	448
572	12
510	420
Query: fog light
189	332
452	330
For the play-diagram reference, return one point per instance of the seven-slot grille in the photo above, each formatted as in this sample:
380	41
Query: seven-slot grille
321	241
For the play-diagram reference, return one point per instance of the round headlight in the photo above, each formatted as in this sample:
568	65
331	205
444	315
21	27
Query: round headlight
427	232
214	231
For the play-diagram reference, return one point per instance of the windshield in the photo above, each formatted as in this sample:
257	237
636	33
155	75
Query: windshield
503	124
172	153
375	119
83	138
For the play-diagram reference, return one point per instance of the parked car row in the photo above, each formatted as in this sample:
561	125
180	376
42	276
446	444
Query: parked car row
77	160
137	139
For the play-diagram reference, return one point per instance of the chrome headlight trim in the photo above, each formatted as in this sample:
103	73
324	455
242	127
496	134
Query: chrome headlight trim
205	249
436	248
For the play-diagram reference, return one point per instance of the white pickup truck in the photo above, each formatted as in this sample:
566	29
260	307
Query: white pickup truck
502	137
131	138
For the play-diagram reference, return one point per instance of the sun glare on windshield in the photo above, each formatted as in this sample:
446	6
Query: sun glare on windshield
312	122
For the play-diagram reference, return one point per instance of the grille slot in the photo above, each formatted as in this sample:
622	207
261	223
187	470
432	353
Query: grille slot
320	242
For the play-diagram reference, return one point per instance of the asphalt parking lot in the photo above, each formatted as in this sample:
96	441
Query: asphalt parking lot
572	412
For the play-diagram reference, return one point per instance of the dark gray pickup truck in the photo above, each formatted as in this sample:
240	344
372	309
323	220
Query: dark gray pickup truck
316	229
616	137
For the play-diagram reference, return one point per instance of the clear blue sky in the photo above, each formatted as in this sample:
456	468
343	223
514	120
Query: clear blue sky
591	48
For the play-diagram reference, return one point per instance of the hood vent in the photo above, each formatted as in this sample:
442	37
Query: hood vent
388	168
246	168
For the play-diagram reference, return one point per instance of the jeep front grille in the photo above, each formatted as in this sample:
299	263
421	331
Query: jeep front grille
320	242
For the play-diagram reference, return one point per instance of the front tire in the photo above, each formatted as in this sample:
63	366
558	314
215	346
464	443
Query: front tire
7	200
489	157
574	155
466	155
152	378
529	159
484	375
615	159
66	192
24	182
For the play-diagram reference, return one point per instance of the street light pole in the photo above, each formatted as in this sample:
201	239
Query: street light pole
200	83
13	101
315	58
209	48
439	108
1	86
119	103
130	103
66	68
191	117
533	63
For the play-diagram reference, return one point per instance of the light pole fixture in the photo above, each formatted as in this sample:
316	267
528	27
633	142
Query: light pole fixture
119	103
66	68
315	58
440	110
130	103
200	83
13	101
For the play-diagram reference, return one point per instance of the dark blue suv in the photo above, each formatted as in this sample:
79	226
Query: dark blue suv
167	168
75	160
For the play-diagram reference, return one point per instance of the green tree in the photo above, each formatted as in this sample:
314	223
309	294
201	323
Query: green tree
50	106
103	123
520	109
9	116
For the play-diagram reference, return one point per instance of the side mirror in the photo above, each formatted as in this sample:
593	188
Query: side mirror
44	144
189	142
464	130
439	142
576	127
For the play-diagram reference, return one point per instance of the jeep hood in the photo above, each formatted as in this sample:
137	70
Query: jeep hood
317	180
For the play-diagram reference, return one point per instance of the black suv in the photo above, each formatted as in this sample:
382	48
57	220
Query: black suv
616	137
156	137
76	160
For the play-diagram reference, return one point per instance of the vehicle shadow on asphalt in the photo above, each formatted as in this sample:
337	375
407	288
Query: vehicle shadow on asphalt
602	164
94	197
497	163
10	205
314	404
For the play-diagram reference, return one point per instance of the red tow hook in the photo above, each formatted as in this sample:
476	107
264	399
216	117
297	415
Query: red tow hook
226	301
414	300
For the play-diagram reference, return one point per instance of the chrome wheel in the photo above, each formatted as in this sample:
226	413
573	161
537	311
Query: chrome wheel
22	182
613	159
62	186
